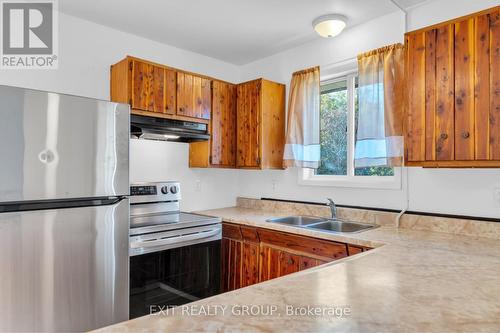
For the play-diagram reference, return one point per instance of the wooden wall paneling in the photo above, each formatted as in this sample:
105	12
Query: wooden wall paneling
464	90
482	88
430	95
445	94
495	85
415	53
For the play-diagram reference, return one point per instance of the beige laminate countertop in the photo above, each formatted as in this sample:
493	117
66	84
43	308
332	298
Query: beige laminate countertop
413	281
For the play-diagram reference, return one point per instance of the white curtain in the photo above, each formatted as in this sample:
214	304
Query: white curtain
302	146
379	138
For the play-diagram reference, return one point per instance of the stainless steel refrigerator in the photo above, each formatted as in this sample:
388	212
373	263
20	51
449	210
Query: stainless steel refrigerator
64	214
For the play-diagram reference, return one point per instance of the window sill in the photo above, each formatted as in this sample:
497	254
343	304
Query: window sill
308	178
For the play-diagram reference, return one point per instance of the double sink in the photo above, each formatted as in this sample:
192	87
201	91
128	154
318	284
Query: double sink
323	224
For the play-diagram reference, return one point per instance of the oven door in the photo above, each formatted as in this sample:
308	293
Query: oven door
175	268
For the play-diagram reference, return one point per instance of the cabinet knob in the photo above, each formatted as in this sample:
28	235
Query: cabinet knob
465	135
444	136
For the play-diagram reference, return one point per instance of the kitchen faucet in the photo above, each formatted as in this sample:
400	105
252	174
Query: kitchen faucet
333	208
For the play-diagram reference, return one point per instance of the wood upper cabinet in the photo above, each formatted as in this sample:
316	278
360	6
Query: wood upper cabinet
453	100
220	150
223	125
148	83
147	87
251	255
260	128
159	91
193	96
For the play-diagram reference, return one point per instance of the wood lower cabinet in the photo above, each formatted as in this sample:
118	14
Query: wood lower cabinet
453	101
251	255
260	128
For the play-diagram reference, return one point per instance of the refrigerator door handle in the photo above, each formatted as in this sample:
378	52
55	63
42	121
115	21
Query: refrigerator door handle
175	239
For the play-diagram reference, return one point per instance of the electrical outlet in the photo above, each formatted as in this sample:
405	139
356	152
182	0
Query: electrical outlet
198	186
274	184
496	195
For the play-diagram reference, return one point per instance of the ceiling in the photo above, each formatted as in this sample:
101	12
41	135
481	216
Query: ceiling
235	31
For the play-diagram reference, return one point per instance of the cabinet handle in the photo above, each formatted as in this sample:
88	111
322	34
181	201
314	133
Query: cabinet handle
465	135
444	136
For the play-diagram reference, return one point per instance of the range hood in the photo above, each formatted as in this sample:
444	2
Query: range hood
151	128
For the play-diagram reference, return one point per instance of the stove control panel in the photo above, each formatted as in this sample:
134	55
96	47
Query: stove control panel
155	192
143	190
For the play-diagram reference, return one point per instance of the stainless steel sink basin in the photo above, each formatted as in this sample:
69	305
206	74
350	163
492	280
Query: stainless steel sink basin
297	220
340	226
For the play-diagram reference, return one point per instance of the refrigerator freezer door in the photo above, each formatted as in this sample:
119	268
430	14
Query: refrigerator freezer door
56	146
64	269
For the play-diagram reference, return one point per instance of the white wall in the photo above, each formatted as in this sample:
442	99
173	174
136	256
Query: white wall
465	191
86	52
201	189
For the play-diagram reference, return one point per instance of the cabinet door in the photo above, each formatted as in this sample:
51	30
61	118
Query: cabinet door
223	134
148	87
193	96
231	264
453	105
269	264
250	269
248	127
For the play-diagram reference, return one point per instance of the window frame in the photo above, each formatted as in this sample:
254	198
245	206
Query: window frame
308	177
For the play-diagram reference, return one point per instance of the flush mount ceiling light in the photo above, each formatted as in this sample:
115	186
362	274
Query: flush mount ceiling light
330	25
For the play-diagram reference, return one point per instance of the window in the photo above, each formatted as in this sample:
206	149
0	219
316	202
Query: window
338	119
